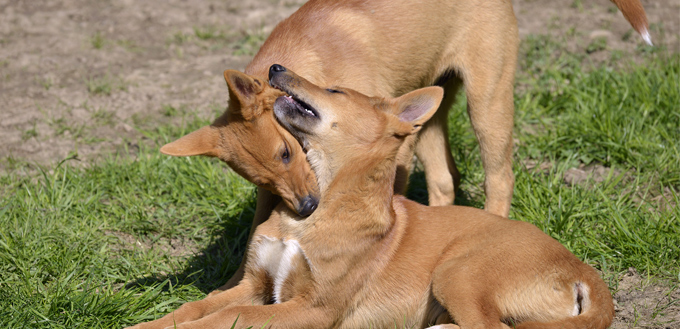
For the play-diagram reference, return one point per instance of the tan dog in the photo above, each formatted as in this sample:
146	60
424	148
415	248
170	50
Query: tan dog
387	48
250	141
367	258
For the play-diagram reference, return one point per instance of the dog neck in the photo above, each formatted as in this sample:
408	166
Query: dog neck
362	192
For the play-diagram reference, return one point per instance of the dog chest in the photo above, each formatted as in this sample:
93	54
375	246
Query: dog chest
279	258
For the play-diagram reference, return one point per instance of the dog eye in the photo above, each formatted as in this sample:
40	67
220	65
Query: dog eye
334	91
285	156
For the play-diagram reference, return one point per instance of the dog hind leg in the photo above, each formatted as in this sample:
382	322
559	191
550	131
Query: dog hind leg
465	296
488	72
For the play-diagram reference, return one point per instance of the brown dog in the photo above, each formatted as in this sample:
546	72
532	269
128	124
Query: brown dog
387	48
367	258
250	141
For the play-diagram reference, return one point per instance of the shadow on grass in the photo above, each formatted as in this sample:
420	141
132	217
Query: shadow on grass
417	191
212	266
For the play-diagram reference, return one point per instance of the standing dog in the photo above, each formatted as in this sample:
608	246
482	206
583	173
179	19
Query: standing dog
387	48
367	258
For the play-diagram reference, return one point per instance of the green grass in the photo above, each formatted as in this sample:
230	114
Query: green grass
97	40
29	133
215	38
249	43
572	115
45	82
105	85
62	264
102	117
96	246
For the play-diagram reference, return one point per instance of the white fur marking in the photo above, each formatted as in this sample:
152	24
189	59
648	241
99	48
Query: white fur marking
645	36
268	252
275	256
291	249
576	310
581	298
577	304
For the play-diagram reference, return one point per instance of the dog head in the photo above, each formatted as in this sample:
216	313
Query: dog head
339	125
248	138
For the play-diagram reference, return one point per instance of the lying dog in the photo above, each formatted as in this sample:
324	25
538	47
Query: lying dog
369	258
387	48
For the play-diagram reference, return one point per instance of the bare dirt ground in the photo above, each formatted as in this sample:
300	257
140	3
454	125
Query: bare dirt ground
80	77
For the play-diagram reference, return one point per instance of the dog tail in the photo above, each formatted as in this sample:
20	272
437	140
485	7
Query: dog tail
635	14
593	305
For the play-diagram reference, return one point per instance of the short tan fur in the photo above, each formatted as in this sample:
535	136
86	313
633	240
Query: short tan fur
369	258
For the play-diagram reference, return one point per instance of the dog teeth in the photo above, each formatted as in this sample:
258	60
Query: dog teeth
288	96
309	111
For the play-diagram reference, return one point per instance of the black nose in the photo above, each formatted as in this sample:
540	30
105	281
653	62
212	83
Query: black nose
308	206
276	68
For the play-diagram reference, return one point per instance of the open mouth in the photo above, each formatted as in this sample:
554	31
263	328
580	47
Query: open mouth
301	106
293	101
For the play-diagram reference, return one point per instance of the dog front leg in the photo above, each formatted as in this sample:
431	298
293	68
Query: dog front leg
242	294
266	202
434	151
293	314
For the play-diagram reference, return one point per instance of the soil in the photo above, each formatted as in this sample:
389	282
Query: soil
174	247
83	77
642	303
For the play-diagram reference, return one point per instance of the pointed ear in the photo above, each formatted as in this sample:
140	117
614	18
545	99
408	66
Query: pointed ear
243	91
415	108
200	142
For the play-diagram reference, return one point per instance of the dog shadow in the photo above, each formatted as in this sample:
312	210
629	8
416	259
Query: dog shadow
417	191
212	266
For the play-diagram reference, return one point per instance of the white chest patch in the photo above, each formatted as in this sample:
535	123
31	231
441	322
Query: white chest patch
276	256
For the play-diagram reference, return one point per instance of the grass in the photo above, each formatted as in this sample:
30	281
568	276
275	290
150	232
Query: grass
105	85
29	133
102	117
239	43
171	111
249	43
63	265
98	41
127	240
46	82
208	33
626	120
598	44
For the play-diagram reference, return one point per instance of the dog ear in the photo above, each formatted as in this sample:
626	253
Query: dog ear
415	108
243	91
200	142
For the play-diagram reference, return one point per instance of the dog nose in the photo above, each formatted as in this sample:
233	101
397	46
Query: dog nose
308	206
276	68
